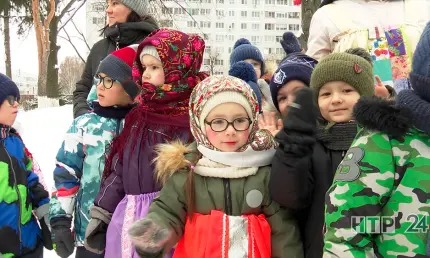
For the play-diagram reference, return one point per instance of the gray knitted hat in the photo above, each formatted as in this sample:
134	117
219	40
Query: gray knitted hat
139	6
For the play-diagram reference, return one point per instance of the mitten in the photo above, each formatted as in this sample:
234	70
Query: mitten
95	235
149	238
42	214
62	237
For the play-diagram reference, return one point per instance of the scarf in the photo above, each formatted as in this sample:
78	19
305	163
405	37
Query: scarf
338	137
111	112
4	131
182	57
257	152
164	107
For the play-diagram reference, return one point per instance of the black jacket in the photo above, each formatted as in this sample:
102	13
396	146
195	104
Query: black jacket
117	36
303	169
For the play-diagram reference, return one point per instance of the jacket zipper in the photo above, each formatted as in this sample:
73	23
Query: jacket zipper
17	192
227	196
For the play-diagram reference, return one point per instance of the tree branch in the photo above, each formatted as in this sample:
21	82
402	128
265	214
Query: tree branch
71	16
82	35
64	11
71	43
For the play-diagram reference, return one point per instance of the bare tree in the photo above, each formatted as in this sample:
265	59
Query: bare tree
309	7
214	62
80	36
70	71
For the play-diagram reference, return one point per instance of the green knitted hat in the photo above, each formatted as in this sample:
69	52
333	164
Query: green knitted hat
349	68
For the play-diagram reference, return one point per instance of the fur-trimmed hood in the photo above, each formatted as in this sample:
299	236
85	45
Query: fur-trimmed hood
174	157
383	115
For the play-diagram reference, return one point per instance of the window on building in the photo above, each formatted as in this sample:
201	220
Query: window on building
219	1
255	40
192	24
244	1
270	14
269	39
167	10
256	26
205	24
282	27
278	38
194	11
219	73
231	1
206	1
231	26
207	49
220	13
99	7
231	37
268	2
231	13
294	15
255	14
280	15
281	2
219	38
99	20
243	26
219	62
205	11
229	50
244	13
178	11
255	2
269	26
207	61
219	25
294	27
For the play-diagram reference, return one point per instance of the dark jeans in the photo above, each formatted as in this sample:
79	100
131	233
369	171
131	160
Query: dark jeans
81	252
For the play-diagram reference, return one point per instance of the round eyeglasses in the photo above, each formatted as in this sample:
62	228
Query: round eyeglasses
106	80
221	124
12	99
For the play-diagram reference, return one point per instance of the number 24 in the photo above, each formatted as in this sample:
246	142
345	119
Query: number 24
418	224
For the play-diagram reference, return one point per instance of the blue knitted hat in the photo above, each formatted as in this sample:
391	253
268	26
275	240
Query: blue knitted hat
246	72
7	88
242	50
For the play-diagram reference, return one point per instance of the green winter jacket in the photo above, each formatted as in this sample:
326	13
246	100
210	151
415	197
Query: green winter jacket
231	196
384	178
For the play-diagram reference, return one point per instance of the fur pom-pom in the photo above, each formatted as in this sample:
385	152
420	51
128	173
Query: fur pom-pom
243	71
378	114
170	158
241	41
290	43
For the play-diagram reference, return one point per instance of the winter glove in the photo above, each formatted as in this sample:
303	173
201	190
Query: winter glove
95	235
42	214
300	125
148	238
62	236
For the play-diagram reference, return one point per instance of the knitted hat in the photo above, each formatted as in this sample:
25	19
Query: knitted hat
7	88
150	50
118	65
242	50
349	68
421	65
290	43
139	6
296	66
246	72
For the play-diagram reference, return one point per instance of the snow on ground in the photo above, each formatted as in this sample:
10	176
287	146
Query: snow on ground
42	131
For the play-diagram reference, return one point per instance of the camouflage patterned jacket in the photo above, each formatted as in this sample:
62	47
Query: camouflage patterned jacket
79	168
385	174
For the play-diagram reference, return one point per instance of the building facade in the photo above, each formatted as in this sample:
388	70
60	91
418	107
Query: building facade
220	22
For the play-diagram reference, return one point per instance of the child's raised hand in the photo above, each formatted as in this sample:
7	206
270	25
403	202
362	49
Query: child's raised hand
268	121
149	238
380	89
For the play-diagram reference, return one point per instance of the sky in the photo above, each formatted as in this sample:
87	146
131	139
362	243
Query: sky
24	49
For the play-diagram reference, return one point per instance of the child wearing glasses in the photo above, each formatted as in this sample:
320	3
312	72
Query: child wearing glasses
169	62
23	200
81	158
215	198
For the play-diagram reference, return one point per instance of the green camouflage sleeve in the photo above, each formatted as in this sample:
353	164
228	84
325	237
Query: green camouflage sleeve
363	183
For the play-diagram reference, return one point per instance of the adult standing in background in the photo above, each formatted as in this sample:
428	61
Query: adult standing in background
389	29
128	23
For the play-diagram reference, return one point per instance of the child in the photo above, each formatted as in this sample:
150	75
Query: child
81	158
386	173
21	192
243	50
307	157
216	192
169	62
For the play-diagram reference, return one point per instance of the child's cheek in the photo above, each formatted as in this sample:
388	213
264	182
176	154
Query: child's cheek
212	135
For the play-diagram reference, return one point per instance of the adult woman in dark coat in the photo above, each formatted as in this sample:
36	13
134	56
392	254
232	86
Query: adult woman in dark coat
128	23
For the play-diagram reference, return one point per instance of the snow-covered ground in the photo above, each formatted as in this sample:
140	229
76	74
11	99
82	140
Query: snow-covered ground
42	131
